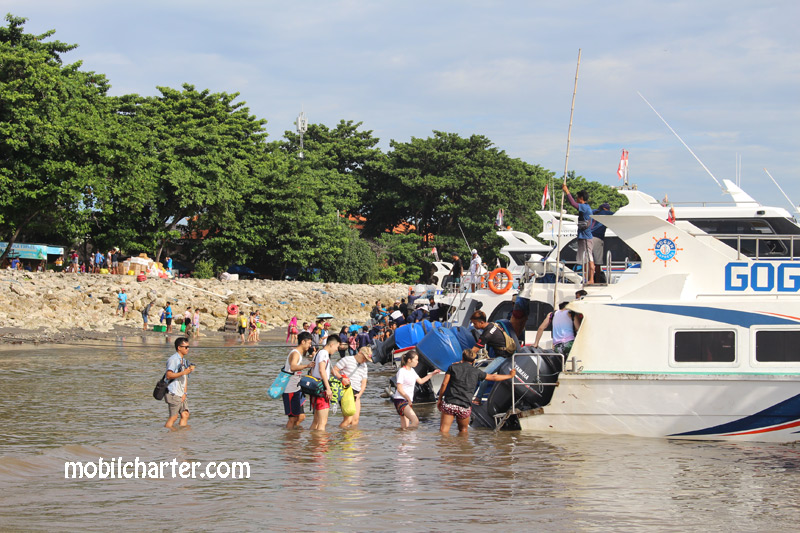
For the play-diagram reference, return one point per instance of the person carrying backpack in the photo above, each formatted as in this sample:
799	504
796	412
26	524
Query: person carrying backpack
493	335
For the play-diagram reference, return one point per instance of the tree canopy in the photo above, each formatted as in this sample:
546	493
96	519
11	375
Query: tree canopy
192	172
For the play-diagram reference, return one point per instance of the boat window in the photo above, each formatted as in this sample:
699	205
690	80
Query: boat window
520	257
705	346
501	311
536	314
619	251
777	346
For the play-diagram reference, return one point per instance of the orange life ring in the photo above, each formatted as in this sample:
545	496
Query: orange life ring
495	282
233	309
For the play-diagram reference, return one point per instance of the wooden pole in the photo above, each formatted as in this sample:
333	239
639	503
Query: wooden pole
566	167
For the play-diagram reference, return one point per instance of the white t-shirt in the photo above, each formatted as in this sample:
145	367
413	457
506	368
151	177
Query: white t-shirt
321	356
563	328
407	377
357	373
475	265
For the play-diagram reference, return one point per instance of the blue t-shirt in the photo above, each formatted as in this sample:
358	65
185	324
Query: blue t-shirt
98	258
169	264
168	312
176	363
123	297
585	213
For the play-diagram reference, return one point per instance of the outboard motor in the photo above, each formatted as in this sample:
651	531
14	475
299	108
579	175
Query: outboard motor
526	396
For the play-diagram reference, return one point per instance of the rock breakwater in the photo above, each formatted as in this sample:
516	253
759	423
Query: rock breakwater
53	303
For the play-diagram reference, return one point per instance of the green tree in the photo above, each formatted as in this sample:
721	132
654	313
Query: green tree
446	184
402	257
52	133
191	158
357	263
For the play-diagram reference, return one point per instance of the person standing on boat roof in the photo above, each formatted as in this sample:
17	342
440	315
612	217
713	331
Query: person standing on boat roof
598	239
475	269
565	324
584	257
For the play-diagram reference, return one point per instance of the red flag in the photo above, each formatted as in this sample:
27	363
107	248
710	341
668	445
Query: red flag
545	197
622	171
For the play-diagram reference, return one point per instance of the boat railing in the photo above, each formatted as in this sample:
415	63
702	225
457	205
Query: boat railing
761	246
501	418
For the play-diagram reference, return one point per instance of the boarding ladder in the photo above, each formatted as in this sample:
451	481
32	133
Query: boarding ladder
502	418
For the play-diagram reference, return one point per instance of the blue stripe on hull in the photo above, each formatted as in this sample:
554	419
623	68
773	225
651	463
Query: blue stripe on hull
728	316
784	412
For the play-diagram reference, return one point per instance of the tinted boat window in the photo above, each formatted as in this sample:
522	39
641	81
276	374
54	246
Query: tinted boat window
705	347
752	226
536	313
501	311
778	346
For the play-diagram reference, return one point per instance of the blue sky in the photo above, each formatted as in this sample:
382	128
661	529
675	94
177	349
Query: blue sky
724	74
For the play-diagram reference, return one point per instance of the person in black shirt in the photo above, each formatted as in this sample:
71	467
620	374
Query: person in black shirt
492	334
403	307
458	388
457	270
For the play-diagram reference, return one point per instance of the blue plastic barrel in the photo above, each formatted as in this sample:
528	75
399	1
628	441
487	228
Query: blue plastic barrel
440	347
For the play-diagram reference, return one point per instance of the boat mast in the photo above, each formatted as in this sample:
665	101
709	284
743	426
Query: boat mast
566	166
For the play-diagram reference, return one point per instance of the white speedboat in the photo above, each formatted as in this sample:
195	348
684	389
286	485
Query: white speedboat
702	343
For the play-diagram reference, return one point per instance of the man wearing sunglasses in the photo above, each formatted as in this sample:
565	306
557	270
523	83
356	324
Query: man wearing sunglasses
178	369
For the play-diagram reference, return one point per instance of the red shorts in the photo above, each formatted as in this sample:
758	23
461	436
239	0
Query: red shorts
460	413
320	402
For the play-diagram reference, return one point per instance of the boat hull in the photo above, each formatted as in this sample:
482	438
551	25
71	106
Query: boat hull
738	407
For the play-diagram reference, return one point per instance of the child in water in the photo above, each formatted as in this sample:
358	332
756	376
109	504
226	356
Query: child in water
406	379
458	388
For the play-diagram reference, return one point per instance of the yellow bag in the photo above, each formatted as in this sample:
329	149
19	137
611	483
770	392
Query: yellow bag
348	402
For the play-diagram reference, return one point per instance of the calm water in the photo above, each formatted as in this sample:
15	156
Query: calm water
84	402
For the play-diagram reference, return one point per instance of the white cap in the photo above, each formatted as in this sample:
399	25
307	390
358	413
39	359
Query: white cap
474	251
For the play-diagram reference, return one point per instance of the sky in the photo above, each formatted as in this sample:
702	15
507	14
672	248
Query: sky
724	74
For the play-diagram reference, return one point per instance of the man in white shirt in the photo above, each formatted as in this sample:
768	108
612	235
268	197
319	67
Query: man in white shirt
475	268
322	371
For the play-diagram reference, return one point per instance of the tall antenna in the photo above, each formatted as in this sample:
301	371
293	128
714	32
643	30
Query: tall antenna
302	128
796	210
681	140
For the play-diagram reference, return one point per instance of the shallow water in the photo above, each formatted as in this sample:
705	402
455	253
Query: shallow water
80	403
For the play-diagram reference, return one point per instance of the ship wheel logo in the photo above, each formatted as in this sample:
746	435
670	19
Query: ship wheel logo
665	249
